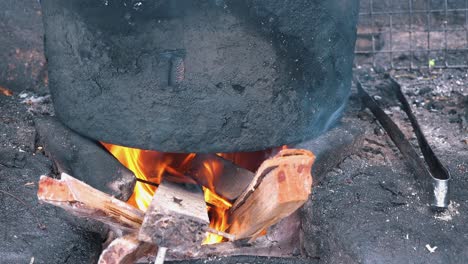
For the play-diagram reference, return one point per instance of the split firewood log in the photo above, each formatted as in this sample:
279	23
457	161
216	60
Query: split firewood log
126	250
82	200
230	181
177	218
281	185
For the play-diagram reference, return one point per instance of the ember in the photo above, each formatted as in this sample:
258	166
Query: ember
5	91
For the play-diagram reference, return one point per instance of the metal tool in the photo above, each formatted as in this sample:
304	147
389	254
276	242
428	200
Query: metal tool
434	178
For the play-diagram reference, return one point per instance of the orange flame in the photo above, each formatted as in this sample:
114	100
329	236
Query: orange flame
151	166
218	206
218	215
146	165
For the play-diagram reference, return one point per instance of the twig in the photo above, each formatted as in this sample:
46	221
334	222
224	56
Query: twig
39	224
147	182
228	236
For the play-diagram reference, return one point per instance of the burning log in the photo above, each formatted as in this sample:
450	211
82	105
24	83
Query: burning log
177	218
281	185
126	250
231	181
83	200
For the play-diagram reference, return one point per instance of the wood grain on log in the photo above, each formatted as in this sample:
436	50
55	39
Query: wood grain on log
126	250
177	217
281	185
220	175
83	200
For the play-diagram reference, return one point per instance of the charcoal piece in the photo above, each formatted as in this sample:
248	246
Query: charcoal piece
333	147
200	76
12	158
86	160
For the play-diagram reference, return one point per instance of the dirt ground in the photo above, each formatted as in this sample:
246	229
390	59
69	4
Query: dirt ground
370	209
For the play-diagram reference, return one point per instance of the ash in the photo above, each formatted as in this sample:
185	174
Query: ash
369	208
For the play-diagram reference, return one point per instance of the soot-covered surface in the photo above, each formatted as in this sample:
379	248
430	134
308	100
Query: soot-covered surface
23	65
200	76
29	229
369	209
85	159
30	137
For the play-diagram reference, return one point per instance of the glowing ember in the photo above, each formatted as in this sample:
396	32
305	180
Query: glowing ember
150	166
5	91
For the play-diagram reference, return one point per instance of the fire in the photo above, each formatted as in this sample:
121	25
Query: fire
147	166
150	167
217	209
217	206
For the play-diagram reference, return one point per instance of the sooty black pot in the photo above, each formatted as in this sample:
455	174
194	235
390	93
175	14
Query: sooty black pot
200	76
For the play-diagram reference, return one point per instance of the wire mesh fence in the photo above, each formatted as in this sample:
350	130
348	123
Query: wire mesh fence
413	34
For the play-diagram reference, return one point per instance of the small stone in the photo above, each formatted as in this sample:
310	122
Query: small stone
424	90
379	131
455	119
418	103
435	105
430	248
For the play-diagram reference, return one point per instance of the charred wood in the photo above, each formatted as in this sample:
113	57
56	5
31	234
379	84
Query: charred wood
177	218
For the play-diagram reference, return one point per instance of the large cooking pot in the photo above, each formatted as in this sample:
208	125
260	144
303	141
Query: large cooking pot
200	76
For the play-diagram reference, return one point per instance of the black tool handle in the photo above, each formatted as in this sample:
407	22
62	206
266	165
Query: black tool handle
435	166
435	180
